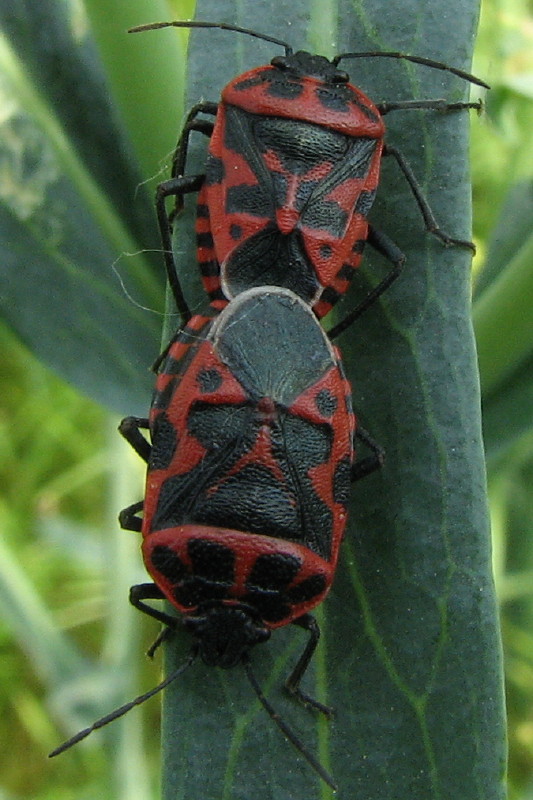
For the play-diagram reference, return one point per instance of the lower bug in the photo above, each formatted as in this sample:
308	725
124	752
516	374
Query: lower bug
249	471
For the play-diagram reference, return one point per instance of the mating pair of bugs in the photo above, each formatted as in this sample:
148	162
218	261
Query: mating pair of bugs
252	429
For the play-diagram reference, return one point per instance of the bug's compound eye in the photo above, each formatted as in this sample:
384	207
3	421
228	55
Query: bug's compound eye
340	76
281	62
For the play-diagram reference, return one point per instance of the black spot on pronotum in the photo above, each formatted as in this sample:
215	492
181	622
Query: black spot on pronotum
235	232
326	403
212	560
168	563
273	571
208	380
307	589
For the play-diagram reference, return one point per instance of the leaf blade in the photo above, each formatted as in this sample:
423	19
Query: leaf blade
414	574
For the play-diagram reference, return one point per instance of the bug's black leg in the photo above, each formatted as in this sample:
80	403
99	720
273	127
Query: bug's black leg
128	518
178	186
174	186
368	464
180	157
161	357
429	219
292	684
178	166
149	591
163	636
129	429
436	105
191	124
380	242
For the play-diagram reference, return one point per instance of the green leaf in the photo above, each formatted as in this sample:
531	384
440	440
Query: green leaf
54	659
510	232
73	217
410	656
502	320
505	305
512	511
508	413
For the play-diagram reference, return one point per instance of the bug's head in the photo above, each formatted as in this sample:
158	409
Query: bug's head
225	633
303	65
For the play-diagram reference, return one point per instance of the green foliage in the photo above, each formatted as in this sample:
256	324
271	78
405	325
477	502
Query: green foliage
502	163
410	655
60	542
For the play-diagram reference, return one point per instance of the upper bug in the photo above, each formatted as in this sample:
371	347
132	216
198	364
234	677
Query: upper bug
292	170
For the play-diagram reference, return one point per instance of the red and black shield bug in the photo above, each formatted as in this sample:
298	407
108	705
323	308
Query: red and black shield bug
249	471
292	170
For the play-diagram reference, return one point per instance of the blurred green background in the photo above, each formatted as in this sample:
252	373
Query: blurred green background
64	564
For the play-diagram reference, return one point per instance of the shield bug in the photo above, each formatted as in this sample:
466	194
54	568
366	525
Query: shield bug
292	170
249	471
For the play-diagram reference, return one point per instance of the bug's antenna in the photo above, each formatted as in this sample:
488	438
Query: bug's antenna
427	62
119	712
222	25
284	728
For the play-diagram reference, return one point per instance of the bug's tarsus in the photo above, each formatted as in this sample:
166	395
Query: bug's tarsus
284	728
149	591
429	219
163	636
130	429
128	519
119	712
221	25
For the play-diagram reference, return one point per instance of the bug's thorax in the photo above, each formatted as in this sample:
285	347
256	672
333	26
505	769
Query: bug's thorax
299	94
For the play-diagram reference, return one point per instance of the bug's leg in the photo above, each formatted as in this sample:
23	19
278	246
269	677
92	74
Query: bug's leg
129	428
149	591
429	219
176	187
164	635
380	242
164	353
368	464
292	684
161	357
435	105
179	157
128	518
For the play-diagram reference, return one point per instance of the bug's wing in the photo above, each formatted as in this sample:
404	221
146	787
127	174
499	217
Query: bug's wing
334	218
